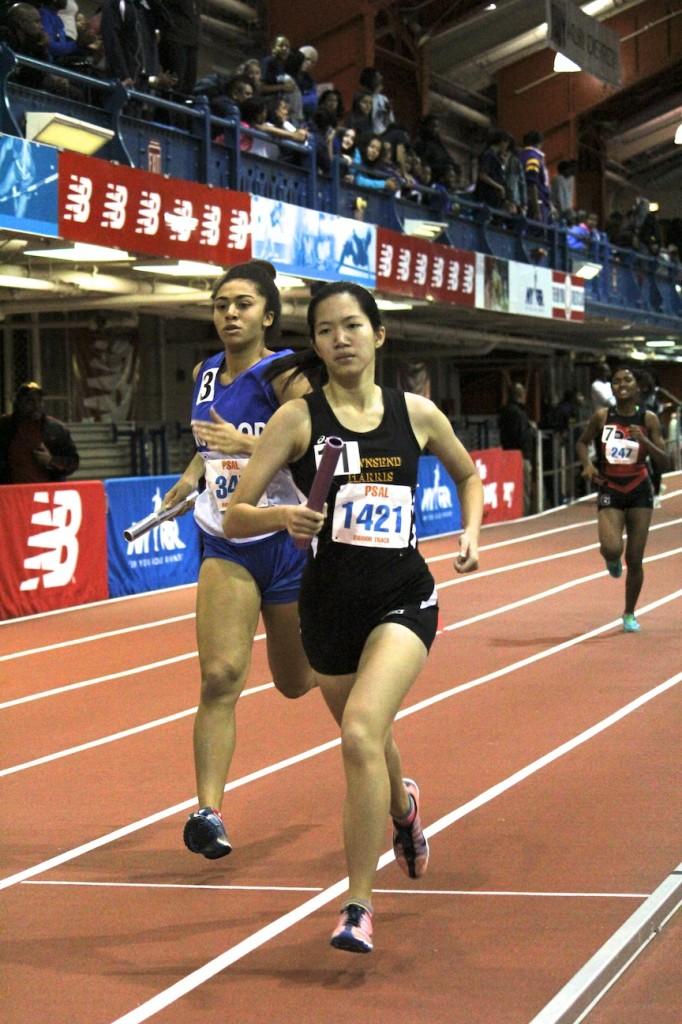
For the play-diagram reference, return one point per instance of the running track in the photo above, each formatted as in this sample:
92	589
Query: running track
547	746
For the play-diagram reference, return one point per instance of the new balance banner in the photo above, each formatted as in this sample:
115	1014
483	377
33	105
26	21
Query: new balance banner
55	552
502	475
421	269
166	556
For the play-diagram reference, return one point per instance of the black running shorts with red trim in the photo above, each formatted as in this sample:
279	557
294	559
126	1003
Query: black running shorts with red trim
641	496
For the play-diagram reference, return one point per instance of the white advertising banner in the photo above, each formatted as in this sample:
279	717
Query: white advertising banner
584	40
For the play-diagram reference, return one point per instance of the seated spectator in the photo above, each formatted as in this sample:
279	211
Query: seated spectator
372	173
429	144
179	24
447	184
382	111
345	147
130	48
562	187
68	12
225	95
62	49
516	200
491	183
254	115
360	116
537	179
578	234
329	112
24	33
251	69
278	118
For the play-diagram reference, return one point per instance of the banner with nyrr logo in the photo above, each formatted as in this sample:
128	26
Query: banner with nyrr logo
166	556
436	504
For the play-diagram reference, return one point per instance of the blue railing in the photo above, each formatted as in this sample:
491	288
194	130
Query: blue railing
184	139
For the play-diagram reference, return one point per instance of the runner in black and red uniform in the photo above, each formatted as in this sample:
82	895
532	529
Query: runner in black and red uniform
624	436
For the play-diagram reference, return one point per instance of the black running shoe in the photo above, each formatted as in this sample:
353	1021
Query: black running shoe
205	833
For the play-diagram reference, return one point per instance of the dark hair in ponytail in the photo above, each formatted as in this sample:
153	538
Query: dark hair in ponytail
262	274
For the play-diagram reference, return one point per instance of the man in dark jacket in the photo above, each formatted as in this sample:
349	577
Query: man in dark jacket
34	448
518	433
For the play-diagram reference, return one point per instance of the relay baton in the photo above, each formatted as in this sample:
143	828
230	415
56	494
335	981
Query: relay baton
322	481
149	522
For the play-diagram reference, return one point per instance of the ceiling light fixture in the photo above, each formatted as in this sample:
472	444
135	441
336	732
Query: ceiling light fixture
183	268
661	343
586	269
678	135
564	63
55	129
81	252
423	228
288	281
391	304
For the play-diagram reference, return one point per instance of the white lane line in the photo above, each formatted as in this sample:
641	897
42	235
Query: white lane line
152	819
123	734
545	593
96	604
261	636
609	963
286	921
527	563
133	730
97	636
199	887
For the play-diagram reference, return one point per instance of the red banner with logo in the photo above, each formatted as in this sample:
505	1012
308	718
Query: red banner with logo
55	550
421	269
501	473
568	296
141	212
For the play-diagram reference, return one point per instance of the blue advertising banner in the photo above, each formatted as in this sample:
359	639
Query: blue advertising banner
28	186
437	508
311	243
166	556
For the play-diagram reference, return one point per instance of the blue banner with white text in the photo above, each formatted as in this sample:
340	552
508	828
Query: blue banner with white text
28	186
166	556
437	508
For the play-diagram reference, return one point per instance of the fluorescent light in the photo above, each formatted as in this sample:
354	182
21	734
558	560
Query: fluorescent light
661	343
654	207
423	228
491	7
81	252
678	135
287	281
586	269
564	63
637	353
66	132
391	304
33	283
183	268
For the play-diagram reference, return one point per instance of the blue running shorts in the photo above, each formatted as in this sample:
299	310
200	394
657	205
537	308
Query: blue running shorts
275	563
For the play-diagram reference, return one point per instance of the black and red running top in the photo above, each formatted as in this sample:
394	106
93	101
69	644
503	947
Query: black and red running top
622	459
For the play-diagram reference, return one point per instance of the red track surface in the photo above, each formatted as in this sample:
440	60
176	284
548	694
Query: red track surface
527	880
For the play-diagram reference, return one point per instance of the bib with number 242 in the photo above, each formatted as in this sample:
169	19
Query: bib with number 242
373	515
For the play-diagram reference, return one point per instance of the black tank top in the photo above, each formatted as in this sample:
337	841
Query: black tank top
368	540
622	461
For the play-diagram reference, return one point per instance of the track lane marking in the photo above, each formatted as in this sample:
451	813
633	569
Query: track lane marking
177	716
286	921
152	819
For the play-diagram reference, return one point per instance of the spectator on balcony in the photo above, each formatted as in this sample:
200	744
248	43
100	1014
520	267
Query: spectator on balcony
360	114
537	178
62	49
329	112
516	200
601	393
372	172
24	33
447	182
562	188
34	448
578	233
491	182
429	144
276	81
225	96
130	48
299	65
345	147
382	111
179	24
251	69
279	124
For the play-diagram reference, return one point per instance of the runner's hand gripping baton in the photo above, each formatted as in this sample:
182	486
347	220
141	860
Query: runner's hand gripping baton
149	522
322	481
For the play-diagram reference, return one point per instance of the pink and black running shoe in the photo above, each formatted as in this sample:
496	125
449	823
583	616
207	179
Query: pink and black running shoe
354	930
409	842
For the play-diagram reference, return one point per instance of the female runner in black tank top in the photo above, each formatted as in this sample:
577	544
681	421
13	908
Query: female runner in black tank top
624	437
368	606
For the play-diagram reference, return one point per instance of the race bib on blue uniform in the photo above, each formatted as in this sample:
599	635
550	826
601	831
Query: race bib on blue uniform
373	515
222	477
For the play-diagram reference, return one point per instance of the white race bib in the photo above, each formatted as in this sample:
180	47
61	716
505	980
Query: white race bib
376	515
222	477
619	450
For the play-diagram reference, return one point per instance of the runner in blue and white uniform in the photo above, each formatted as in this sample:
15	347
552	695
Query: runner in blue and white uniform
624	435
368	603
234	397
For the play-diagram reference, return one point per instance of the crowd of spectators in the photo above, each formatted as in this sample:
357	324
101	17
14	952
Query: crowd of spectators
153	46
